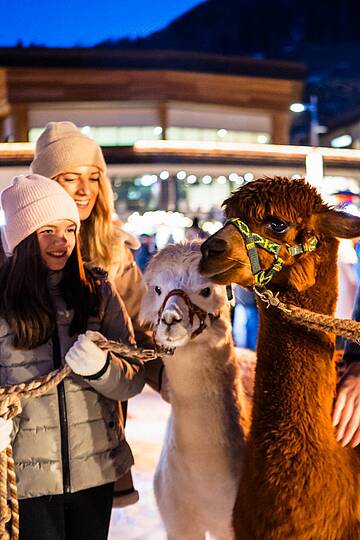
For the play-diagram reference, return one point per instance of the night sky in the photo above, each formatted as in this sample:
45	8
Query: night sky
68	23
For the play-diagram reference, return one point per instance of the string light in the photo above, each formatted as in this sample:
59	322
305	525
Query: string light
206	179
191	179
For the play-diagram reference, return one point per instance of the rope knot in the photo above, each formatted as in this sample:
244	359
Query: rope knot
10	407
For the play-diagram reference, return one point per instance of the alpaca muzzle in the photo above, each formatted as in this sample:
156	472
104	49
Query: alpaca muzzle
193	310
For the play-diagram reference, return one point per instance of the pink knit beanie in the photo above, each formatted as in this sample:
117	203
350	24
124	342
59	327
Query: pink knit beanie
62	146
31	202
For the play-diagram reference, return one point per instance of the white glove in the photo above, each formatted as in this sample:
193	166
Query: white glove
6	427
84	357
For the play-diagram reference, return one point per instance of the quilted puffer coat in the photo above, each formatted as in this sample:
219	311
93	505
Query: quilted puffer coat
70	438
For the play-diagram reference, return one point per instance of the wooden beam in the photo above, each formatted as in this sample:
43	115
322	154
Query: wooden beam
37	85
4	104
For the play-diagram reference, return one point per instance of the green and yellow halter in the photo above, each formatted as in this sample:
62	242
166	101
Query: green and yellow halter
252	240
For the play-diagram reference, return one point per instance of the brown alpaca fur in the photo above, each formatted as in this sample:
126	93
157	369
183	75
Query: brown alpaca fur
298	482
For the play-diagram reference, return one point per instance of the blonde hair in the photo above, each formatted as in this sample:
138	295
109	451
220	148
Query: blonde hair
98	237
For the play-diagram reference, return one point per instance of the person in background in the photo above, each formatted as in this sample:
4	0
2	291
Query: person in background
346	414
347	261
145	251
68	444
76	162
246	319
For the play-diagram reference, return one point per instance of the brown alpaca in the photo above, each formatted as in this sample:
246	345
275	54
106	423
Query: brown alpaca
298	482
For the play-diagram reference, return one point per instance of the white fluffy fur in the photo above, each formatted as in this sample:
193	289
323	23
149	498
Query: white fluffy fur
198	472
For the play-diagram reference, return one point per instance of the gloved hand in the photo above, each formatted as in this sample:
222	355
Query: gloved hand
85	357
5	432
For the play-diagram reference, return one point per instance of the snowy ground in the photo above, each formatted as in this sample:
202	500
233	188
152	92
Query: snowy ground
144	431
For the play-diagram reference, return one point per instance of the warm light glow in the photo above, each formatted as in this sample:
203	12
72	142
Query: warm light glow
221	179
148	180
159	223
191	179
314	168
206	179
297	107
181	175
221	132
248	150
17	147
341	141
200	148
212	226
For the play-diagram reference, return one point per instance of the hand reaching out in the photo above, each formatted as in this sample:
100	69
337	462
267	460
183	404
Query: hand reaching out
346	414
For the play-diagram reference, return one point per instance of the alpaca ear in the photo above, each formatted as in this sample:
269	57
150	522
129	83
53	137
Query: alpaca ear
302	274
338	224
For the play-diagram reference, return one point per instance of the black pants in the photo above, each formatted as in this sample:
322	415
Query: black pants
84	515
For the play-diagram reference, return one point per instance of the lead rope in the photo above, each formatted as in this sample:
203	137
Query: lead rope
10	406
346	328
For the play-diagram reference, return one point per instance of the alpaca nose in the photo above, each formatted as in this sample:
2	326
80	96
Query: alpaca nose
170	318
213	247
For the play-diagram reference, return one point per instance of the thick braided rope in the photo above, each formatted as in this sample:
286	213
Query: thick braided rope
10	406
346	328
5	513
318	321
11	477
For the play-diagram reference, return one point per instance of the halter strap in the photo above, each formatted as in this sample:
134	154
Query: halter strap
193	310
251	239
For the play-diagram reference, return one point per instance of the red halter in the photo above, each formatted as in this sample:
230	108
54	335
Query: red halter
193	310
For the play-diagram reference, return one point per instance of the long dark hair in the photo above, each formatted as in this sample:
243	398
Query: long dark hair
25	301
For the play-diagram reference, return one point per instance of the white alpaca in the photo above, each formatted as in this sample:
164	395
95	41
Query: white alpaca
198	472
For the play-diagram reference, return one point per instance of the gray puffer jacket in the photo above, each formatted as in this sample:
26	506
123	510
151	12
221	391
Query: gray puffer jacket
70	438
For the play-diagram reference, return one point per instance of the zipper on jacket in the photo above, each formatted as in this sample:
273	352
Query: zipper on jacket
62	415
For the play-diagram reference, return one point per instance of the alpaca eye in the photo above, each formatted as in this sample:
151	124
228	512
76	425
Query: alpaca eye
205	292
157	290
277	225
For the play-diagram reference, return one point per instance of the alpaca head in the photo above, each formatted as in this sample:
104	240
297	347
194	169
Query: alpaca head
179	301
289	213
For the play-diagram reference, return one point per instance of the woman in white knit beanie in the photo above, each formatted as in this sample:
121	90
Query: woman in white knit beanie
76	162
68	445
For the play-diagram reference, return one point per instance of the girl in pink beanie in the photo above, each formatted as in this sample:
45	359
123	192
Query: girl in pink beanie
76	162
68	444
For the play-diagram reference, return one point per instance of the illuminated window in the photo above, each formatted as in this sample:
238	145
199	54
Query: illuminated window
112	135
209	135
129	135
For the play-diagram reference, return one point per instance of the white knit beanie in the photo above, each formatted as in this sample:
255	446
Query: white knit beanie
31	202
62	146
